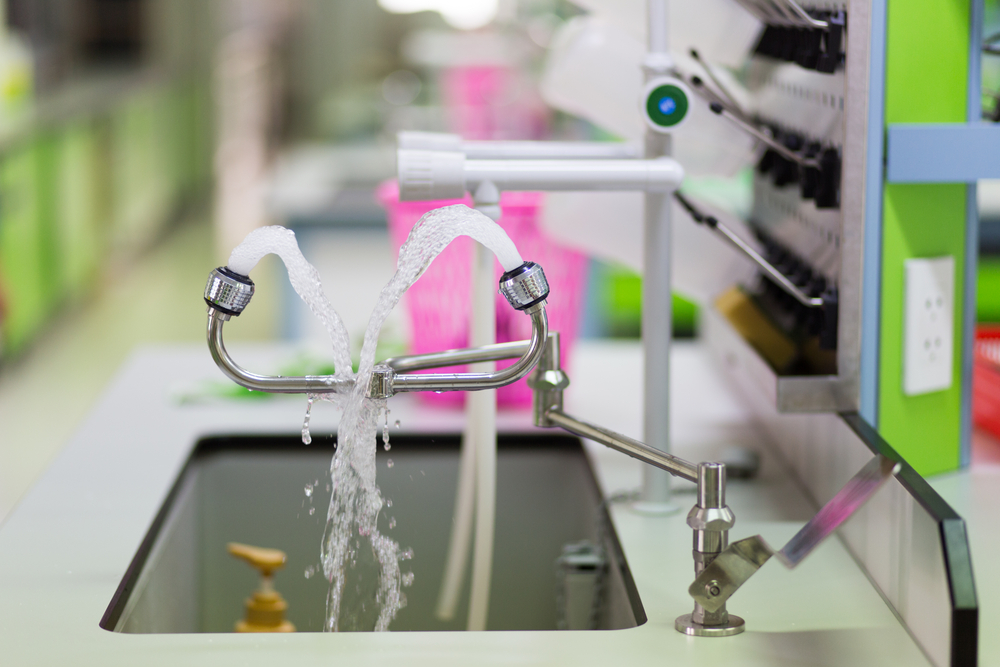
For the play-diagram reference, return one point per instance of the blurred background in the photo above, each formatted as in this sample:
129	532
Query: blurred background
140	140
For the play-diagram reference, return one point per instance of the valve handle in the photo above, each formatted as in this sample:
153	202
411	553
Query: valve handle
740	560
265	560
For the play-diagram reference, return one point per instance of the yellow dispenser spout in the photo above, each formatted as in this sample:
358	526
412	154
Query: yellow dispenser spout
265	608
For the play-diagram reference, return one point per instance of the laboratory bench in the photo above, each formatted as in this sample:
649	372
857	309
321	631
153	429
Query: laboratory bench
67	545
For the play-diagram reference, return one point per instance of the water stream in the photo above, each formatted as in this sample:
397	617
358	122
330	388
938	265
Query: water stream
361	564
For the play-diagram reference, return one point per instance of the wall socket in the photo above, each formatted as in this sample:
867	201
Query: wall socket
928	324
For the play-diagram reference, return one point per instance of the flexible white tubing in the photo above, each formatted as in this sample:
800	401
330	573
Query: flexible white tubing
461	528
481	413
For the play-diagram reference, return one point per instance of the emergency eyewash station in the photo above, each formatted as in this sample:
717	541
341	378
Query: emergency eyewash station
105	550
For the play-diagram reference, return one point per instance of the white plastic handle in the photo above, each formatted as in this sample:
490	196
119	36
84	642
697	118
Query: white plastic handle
426	175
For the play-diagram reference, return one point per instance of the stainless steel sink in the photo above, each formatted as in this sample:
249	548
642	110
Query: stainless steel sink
251	489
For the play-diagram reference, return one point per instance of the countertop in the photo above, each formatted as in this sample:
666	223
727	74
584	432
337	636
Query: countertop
65	547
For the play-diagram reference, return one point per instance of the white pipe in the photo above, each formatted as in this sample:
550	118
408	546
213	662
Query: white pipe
518	150
663	175
657	295
477	466
481	414
657	31
551	150
461	529
427	175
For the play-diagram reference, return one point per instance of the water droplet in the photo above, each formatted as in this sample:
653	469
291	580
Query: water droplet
306	435
396	424
392	522
407	579
388	503
406	555
309	490
389	463
312	510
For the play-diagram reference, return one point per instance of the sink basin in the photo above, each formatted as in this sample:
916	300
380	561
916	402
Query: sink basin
251	489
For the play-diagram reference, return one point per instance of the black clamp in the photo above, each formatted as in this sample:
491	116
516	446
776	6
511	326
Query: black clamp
819	49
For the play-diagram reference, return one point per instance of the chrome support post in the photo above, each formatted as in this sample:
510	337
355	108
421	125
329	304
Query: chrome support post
711	520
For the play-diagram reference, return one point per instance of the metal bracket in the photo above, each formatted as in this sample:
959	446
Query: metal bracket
740	560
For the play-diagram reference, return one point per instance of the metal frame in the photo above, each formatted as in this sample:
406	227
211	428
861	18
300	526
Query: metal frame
872	211
963	613
860	157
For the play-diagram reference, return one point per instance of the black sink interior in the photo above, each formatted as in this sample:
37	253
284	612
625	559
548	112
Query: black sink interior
251	488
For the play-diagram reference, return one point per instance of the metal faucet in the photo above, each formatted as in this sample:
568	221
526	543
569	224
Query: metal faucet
720	568
227	294
710	518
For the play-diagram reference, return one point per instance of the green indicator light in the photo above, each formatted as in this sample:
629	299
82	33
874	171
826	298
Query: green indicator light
667	105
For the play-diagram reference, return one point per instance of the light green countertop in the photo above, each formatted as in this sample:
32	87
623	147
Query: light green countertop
65	547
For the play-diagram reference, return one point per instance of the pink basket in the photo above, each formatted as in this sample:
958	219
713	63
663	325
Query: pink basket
438	303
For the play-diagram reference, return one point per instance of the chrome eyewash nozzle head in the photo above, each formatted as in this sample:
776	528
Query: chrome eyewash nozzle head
524	286
227	291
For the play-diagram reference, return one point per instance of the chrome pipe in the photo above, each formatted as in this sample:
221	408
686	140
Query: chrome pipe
751	129
733	239
637	450
476	381
783	282
525	288
386	382
459	357
274	384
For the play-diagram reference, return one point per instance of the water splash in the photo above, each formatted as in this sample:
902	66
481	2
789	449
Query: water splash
352	545
305	281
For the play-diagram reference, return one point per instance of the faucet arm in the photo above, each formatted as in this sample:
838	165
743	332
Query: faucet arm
268	383
525	288
547	384
531	353
637	450
468	355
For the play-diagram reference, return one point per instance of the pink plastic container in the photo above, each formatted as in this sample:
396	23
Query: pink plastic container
492	102
438	303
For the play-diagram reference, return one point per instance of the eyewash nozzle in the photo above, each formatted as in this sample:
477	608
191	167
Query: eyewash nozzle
227	291
524	286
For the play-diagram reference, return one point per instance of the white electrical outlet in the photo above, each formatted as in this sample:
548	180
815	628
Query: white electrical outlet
928	324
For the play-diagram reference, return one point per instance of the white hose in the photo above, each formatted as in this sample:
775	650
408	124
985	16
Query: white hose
481	413
461	529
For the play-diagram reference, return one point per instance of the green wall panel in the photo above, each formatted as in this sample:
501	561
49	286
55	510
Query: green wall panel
25	285
927	51
81	242
927	61
919	221
80	192
988	289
